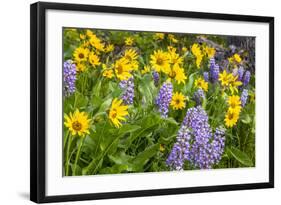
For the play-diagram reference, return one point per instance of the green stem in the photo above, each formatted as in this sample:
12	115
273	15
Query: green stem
78	155
67	155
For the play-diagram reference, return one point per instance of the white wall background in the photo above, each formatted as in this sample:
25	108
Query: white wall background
14	100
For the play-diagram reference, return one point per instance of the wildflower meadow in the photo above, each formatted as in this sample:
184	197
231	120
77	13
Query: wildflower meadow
138	101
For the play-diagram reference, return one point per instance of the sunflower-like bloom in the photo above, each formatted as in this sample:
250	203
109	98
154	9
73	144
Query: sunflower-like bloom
177	73
122	69
96	43
178	101
109	48
117	112
196	51
69	77
94	59
201	83
77	123
234	83
224	78
159	36
231	117
174	57
237	58
164	98
160	61
129	41
209	52
234	103
146	69
80	54
131	55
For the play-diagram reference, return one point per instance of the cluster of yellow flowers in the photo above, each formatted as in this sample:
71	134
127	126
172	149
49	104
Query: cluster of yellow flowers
229	81
233	112
200	51
170	63
201	83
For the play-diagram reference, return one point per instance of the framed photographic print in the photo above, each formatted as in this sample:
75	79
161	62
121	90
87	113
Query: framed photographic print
129	102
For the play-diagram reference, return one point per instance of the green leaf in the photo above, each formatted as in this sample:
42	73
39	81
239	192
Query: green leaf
240	156
246	119
190	82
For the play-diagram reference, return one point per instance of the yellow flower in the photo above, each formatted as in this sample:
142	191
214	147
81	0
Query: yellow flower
77	123
178	101
234	83
129	41
159	60
224	78
80	54
177	73
109	48
196	51
146	69
234	103
108	74
130	54
237	58
94	59
89	33
80	67
231	118
96	43
118	112
161	148
82	36
174	57
184	49
209	51
122	69
201	83
159	36
172	38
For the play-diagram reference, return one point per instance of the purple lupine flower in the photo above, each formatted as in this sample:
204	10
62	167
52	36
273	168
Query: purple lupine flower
244	97
69	77
203	149
180	150
206	76
155	78
214	70
240	73
199	96
128	91
164	98
246	78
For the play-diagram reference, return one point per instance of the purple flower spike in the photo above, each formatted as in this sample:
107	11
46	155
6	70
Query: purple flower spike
196	143
244	97
164	98
240	73
69	77
155	78
247	77
198	96
214	70
206	76
128	91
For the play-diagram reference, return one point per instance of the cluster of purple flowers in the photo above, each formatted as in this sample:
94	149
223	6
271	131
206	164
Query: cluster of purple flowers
69	77
206	76
128	91
164	98
155	78
244	97
199	96
246	78
214	70
196	143
240	73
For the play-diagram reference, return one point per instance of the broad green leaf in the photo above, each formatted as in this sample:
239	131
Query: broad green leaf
246	119
240	156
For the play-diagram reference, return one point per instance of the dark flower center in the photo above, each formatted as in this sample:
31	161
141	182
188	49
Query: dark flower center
81	55
76	125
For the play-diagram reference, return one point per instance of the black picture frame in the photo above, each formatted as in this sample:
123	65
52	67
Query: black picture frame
38	101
